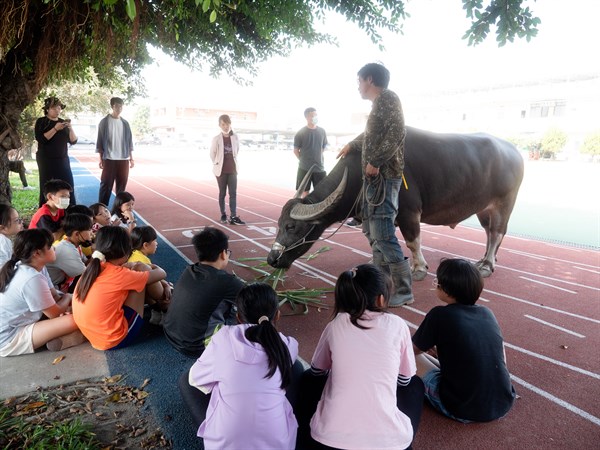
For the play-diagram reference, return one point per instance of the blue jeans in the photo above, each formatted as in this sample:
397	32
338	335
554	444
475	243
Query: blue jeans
378	219
228	182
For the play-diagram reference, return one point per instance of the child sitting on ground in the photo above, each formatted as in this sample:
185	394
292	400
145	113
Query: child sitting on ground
371	397
49	216
101	216
247	367
144	242
26	297
122	211
10	225
108	305
70	261
468	381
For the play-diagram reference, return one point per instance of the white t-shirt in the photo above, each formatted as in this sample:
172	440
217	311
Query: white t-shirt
23	301
358	406
115	150
6	248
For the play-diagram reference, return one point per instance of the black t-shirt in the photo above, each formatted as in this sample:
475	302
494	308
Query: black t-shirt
203	300
311	142
475	383
57	146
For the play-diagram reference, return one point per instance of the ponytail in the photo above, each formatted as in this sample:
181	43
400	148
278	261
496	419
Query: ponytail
7	272
88	277
26	243
111	243
357	290
258	305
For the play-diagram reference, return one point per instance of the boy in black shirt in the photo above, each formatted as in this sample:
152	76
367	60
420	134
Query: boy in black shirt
468	381
204	296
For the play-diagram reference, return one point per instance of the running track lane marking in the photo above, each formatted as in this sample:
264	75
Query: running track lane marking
554	326
553	361
547	284
527	302
574	409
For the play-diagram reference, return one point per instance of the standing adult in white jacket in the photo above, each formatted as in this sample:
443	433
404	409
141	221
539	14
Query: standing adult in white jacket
223	152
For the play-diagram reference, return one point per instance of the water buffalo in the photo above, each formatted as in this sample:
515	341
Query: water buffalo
449	178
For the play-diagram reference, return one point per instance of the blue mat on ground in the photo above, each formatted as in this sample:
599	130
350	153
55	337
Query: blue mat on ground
151	356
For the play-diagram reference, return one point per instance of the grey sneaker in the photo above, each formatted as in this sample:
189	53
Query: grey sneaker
28	188
235	220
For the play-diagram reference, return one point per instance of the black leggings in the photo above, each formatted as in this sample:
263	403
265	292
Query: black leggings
409	400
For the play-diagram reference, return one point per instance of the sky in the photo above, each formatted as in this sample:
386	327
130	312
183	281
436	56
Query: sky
429	57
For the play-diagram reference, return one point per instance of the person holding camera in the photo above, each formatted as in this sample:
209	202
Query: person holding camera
54	135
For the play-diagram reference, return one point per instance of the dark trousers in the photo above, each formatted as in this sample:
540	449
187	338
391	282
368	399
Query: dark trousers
409	400
228	182
114	172
18	167
197	402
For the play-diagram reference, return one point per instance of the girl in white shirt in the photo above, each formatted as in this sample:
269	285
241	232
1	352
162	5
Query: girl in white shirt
25	297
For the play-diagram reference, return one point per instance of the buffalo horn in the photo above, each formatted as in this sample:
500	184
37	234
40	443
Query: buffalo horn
303	211
304	182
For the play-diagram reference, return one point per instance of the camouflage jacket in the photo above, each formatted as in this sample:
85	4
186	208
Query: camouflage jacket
382	143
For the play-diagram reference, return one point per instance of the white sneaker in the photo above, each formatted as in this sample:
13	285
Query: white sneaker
28	188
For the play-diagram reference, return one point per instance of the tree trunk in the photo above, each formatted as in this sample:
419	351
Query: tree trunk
17	90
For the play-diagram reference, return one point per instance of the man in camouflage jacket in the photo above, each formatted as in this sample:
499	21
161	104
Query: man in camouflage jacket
382	147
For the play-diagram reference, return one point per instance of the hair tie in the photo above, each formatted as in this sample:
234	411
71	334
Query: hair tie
261	319
98	255
354	270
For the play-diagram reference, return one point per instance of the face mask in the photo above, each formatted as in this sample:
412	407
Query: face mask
63	203
315	120
86	243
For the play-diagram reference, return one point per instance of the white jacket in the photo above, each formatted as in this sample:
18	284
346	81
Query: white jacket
217	151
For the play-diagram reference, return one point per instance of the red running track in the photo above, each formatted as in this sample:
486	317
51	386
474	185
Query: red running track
546	298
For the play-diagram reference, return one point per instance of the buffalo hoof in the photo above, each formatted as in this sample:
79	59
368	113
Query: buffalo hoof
419	274
485	270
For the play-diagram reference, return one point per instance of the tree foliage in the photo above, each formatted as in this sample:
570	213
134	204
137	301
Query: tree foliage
553	141
591	144
49	41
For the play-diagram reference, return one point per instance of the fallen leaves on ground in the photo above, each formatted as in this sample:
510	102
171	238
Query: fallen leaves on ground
115	411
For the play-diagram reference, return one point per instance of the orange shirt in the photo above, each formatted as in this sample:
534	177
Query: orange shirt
100	317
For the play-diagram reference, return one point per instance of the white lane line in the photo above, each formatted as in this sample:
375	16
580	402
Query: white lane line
551	325
537	305
553	361
587	270
548	284
529	255
574	409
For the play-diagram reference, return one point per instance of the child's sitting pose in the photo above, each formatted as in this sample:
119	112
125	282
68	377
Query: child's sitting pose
470	382
10	225
26	297
50	215
70	261
371	398
247	368
144	242
108	304
122	211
